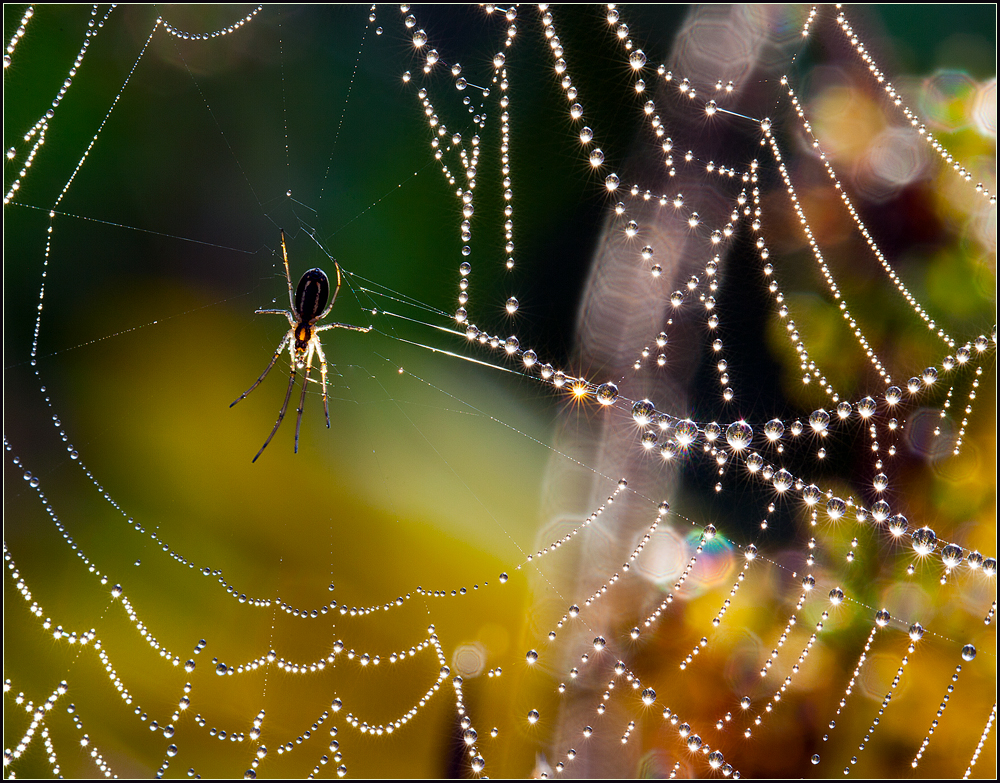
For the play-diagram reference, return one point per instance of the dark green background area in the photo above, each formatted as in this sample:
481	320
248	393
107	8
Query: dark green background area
167	241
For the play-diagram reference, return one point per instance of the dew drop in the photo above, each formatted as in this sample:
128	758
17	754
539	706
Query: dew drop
952	555
836	508
773	430
738	435
607	393
923	541
643	412
866	408
819	420
782	480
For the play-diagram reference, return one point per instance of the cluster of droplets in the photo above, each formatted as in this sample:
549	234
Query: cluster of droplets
809	21
470	162
601	591
221	668
897	100
750	554
186	36
934	723
739	437
41	126
824	268
914	637
694	285
836	596
19	33
809	368
90	640
36	726
987	729
882	619
695	744
554	545
707	535
911	300
647	698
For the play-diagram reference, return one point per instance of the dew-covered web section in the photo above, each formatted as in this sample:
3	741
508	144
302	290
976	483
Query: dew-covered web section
660	440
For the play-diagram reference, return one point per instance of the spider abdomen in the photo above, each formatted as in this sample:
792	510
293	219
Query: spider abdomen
311	295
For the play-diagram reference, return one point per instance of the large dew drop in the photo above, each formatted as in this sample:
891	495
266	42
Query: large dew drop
607	393
774	429
643	412
739	435
819	420
923	540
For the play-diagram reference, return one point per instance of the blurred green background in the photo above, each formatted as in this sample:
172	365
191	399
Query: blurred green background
433	472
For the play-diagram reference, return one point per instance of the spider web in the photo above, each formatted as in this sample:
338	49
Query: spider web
344	607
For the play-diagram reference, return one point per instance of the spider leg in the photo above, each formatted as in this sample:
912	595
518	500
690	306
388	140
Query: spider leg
322	370
285	313
333	298
288	274
281	415
342	326
302	400
263	375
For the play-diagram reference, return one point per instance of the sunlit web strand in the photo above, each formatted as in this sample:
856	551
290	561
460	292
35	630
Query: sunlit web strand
65	189
185	35
896	101
863	229
42	124
347	98
60	213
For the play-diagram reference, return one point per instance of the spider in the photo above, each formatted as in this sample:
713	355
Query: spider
309	305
